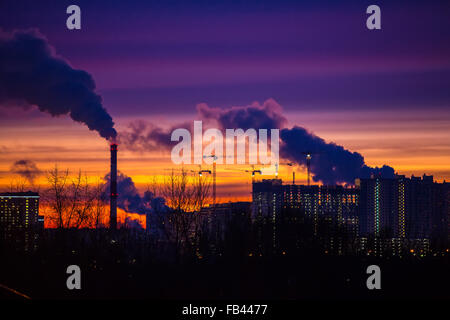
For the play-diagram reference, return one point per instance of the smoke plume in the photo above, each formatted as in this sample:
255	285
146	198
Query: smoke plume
265	116
330	163
27	169
129	198
30	72
142	136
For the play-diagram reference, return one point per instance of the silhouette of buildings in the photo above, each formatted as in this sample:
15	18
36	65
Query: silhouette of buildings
394	216
216	219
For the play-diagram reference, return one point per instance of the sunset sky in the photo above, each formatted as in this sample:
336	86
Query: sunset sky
384	93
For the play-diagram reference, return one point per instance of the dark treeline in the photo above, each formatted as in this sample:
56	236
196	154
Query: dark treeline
243	259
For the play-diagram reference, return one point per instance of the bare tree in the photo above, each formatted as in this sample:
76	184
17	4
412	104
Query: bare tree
56	197
99	206
18	184
185	195
73	202
202	187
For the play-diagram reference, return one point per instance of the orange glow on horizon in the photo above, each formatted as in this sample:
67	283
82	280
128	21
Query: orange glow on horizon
124	219
411	147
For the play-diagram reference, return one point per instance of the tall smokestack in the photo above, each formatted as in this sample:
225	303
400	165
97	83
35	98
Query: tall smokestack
113	188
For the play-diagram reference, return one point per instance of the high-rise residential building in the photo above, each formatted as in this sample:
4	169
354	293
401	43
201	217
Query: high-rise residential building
376	206
405	208
217	218
337	203
267	198
440	215
20	222
331	210
267	204
388	215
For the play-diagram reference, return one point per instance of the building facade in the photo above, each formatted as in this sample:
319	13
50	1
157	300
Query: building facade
338	202
20	222
405	208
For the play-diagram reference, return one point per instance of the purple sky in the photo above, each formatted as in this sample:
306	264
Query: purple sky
385	93
153	58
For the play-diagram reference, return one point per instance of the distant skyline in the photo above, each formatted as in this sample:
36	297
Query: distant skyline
384	94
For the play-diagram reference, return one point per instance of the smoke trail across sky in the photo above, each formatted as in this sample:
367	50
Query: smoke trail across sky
32	74
330	164
142	136
259	116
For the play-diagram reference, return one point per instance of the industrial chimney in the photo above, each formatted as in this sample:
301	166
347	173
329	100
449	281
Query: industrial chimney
113	188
